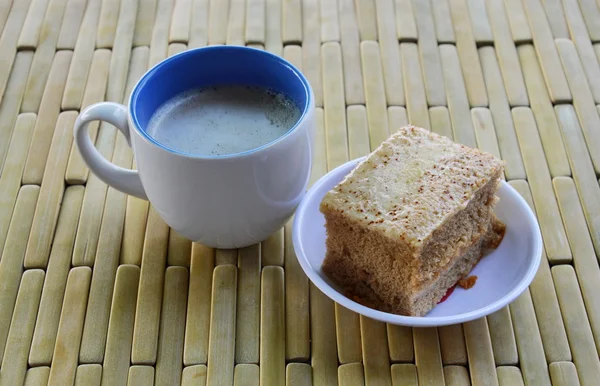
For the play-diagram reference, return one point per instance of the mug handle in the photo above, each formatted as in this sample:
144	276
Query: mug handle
126	180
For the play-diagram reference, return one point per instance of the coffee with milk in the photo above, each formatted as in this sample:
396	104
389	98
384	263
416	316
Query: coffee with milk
223	120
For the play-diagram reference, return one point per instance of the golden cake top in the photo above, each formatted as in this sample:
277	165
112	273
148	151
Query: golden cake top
412	183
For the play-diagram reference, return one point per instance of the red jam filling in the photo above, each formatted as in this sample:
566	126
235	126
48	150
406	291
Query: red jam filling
448	293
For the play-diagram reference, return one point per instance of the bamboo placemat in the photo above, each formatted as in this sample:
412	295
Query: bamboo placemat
95	289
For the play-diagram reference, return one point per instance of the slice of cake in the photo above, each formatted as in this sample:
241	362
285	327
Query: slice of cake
407	214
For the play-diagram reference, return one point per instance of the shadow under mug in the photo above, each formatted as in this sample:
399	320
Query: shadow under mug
225	201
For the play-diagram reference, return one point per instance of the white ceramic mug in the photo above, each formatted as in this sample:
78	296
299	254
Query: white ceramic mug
226	201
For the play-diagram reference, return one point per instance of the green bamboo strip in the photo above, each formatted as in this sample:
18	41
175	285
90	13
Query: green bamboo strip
428	358
564	374
107	23
353	82
47	116
141	376
348	335
480	354
160	32
273	41
583	171
581	39
556	18
297	313
247	347
195	349
351	374
272	249
246	375
397	117
179	250
4	9
69	29
390	54
136	216
335	105
452	345
272	326
482	30
507	56
120	326
51	193
236	24
440	121
14	362
226	256
32	25
503	338
556	81
358	131
298	374
43	56
148	308
194	375
311	48
180	22
88	229
37	376
400	344
406	27
88	375
550	322
509	376
11	265
199	26
529	342
255	22
367	19
330	23
122	53
458	103
541	105
10	179
95	88
291	28
416	104
555	238
319	167
591	15
499	107
517	18
221	344
217	21
443	22
82	58
585	356
57	271
584	258
404	375
467	52
172	327
582	100
103	279
144	21
457	375
322	330
68	337
8	48
9	107
374	95
484	130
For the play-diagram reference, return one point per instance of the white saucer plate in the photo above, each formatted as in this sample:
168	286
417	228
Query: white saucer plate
502	275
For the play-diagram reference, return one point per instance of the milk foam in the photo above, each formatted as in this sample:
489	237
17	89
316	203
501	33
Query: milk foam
223	120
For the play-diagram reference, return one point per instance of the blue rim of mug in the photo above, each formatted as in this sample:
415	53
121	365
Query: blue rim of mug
305	109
